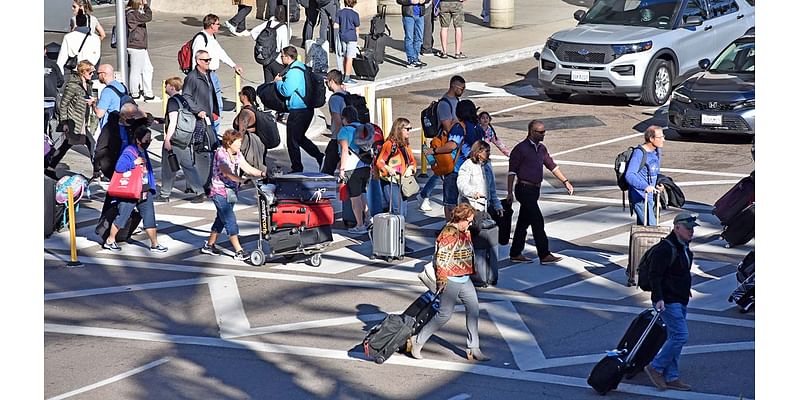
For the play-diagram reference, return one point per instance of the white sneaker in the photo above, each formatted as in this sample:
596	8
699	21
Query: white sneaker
425	205
242	33
230	27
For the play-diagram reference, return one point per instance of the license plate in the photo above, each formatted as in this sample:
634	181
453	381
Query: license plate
711	119
580	76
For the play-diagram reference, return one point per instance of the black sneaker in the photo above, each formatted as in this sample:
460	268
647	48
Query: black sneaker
210	250
420	63
113	246
240	256
158	248
412	65
189	191
161	199
198	199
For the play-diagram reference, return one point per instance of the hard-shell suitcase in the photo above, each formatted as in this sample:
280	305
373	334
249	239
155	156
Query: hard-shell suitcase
650	346
485	272
741	228
364	66
503	222
736	199
608	373
423	309
296	214
293	239
642	238
745	294
386	338
305	186
746	267
388	235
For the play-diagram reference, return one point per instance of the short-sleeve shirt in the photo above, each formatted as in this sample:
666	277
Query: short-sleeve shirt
336	104
218	180
173	106
446	109
109	100
348	20
465	141
347	133
456	135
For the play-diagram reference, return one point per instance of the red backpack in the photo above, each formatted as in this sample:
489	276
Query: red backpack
186	54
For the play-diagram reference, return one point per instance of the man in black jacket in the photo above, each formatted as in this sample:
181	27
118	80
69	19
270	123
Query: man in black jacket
53	80
199	93
671	283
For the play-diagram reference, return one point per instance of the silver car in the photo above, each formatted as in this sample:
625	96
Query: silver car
639	48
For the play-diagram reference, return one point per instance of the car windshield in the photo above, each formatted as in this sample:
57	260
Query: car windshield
651	13
738	58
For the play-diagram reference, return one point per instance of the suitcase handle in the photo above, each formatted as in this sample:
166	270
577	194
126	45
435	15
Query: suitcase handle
647	209
644	335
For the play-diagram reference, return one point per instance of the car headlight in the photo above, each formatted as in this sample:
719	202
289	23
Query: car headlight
681	97
746	104
552	44
622	49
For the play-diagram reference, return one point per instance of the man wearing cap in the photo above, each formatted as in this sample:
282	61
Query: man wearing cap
671	282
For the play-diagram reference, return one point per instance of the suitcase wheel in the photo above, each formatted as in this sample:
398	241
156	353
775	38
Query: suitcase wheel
372	256
257	258
379	360
400	258
316	260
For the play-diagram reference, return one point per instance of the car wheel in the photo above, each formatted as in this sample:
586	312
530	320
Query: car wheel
558	96
657	83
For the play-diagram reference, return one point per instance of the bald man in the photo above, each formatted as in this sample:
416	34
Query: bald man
109	98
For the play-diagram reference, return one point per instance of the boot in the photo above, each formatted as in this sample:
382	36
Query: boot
416	348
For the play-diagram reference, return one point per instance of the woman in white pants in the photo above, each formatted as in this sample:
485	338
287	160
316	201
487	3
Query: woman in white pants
141	69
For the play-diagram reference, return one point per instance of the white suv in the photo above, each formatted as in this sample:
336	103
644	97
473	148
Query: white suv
639	48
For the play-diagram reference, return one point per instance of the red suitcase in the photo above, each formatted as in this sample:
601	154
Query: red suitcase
736	199
295	214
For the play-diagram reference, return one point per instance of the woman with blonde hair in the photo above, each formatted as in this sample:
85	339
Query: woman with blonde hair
396	160
452	261
86	7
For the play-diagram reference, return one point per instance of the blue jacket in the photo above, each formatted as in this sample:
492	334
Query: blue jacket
647	176
293	86
125	164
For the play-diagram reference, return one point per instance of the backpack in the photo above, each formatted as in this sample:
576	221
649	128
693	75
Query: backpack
621	166
643	270
445	162
266	127
186	54
377	25
124	97
359	103
429	119
315	88
185	125
266	48
253	151
363	143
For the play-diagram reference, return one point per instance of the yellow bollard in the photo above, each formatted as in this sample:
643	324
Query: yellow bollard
238	90
164	99
423	169
369	97
73	248
385	114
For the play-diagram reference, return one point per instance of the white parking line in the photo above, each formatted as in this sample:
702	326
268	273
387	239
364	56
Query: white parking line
112	379
522	343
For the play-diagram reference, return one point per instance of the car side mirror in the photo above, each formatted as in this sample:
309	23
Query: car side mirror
694	20
579	15
704	64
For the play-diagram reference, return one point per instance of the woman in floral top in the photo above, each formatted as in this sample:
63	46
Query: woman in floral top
395	160
453	265
225	180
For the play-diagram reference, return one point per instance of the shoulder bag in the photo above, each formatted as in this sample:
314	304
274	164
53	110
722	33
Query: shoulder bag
72	62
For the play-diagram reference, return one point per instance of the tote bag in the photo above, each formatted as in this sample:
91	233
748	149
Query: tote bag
127	185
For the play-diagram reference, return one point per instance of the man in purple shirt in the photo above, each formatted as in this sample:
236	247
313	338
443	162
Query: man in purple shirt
525	166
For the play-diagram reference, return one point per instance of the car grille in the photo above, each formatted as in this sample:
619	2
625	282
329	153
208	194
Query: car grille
729	123
597	54
594	82
703	105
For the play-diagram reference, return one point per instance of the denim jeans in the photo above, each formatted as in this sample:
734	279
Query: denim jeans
427	190
413	27
398	206
450	189
666	362
225	216
638	209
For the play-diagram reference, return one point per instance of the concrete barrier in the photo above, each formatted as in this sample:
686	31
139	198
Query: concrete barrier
501	14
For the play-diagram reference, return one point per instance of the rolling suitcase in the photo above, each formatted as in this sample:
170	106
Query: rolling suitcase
378	46
110	211
364	66
741	228
423	309
386	338
650	346
388	235
503	222
485	272
305	186
736	199
643	238
608	373
746	267
745	294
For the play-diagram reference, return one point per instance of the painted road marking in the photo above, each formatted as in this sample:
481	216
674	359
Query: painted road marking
112	379
522	343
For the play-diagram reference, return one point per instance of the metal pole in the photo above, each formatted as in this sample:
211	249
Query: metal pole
73	249
122	43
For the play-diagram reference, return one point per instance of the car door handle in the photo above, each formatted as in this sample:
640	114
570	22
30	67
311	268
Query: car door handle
708	27
740	16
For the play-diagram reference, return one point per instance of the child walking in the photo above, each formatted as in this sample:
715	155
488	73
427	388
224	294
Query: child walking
348	21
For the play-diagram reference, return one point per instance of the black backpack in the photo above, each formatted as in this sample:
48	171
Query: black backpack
429	119
621	164
266	127
315	88
266	48
643	270
377	25
358	102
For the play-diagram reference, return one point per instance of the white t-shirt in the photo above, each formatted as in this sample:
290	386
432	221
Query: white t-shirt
284	34
214	50
72	42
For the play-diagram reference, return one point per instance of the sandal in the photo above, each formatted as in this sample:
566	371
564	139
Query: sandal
459	56
442	55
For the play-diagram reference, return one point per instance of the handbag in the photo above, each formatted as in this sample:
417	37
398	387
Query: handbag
409	186
72	61
127	185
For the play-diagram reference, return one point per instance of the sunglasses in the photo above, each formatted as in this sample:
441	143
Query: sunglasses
542	132
204	59
408	128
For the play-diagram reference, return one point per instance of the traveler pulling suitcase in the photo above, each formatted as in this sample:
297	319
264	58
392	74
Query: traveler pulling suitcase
364	65
643	238
423	309
608	373
741	228
386	338
736	199
387	234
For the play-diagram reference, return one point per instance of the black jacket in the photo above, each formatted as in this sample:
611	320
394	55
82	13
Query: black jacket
408	8
671	282
53	79
199	92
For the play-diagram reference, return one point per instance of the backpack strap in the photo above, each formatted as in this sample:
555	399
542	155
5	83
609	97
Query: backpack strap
115	90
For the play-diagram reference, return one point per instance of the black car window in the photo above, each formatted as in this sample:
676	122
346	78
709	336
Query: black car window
651	13
722	7
739	57
694	9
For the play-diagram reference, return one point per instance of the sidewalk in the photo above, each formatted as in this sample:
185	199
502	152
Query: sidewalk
535	21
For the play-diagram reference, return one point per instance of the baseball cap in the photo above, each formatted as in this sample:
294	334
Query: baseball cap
686	219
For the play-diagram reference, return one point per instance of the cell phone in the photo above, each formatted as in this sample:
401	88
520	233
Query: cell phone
95	92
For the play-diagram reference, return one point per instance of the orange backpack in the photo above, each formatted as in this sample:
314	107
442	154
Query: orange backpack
445	162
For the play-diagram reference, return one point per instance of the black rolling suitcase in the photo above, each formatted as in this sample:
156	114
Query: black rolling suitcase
364	66
386	338
741	228
745	294
109	213
652	343
618	363
378	46
423	309
485	273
